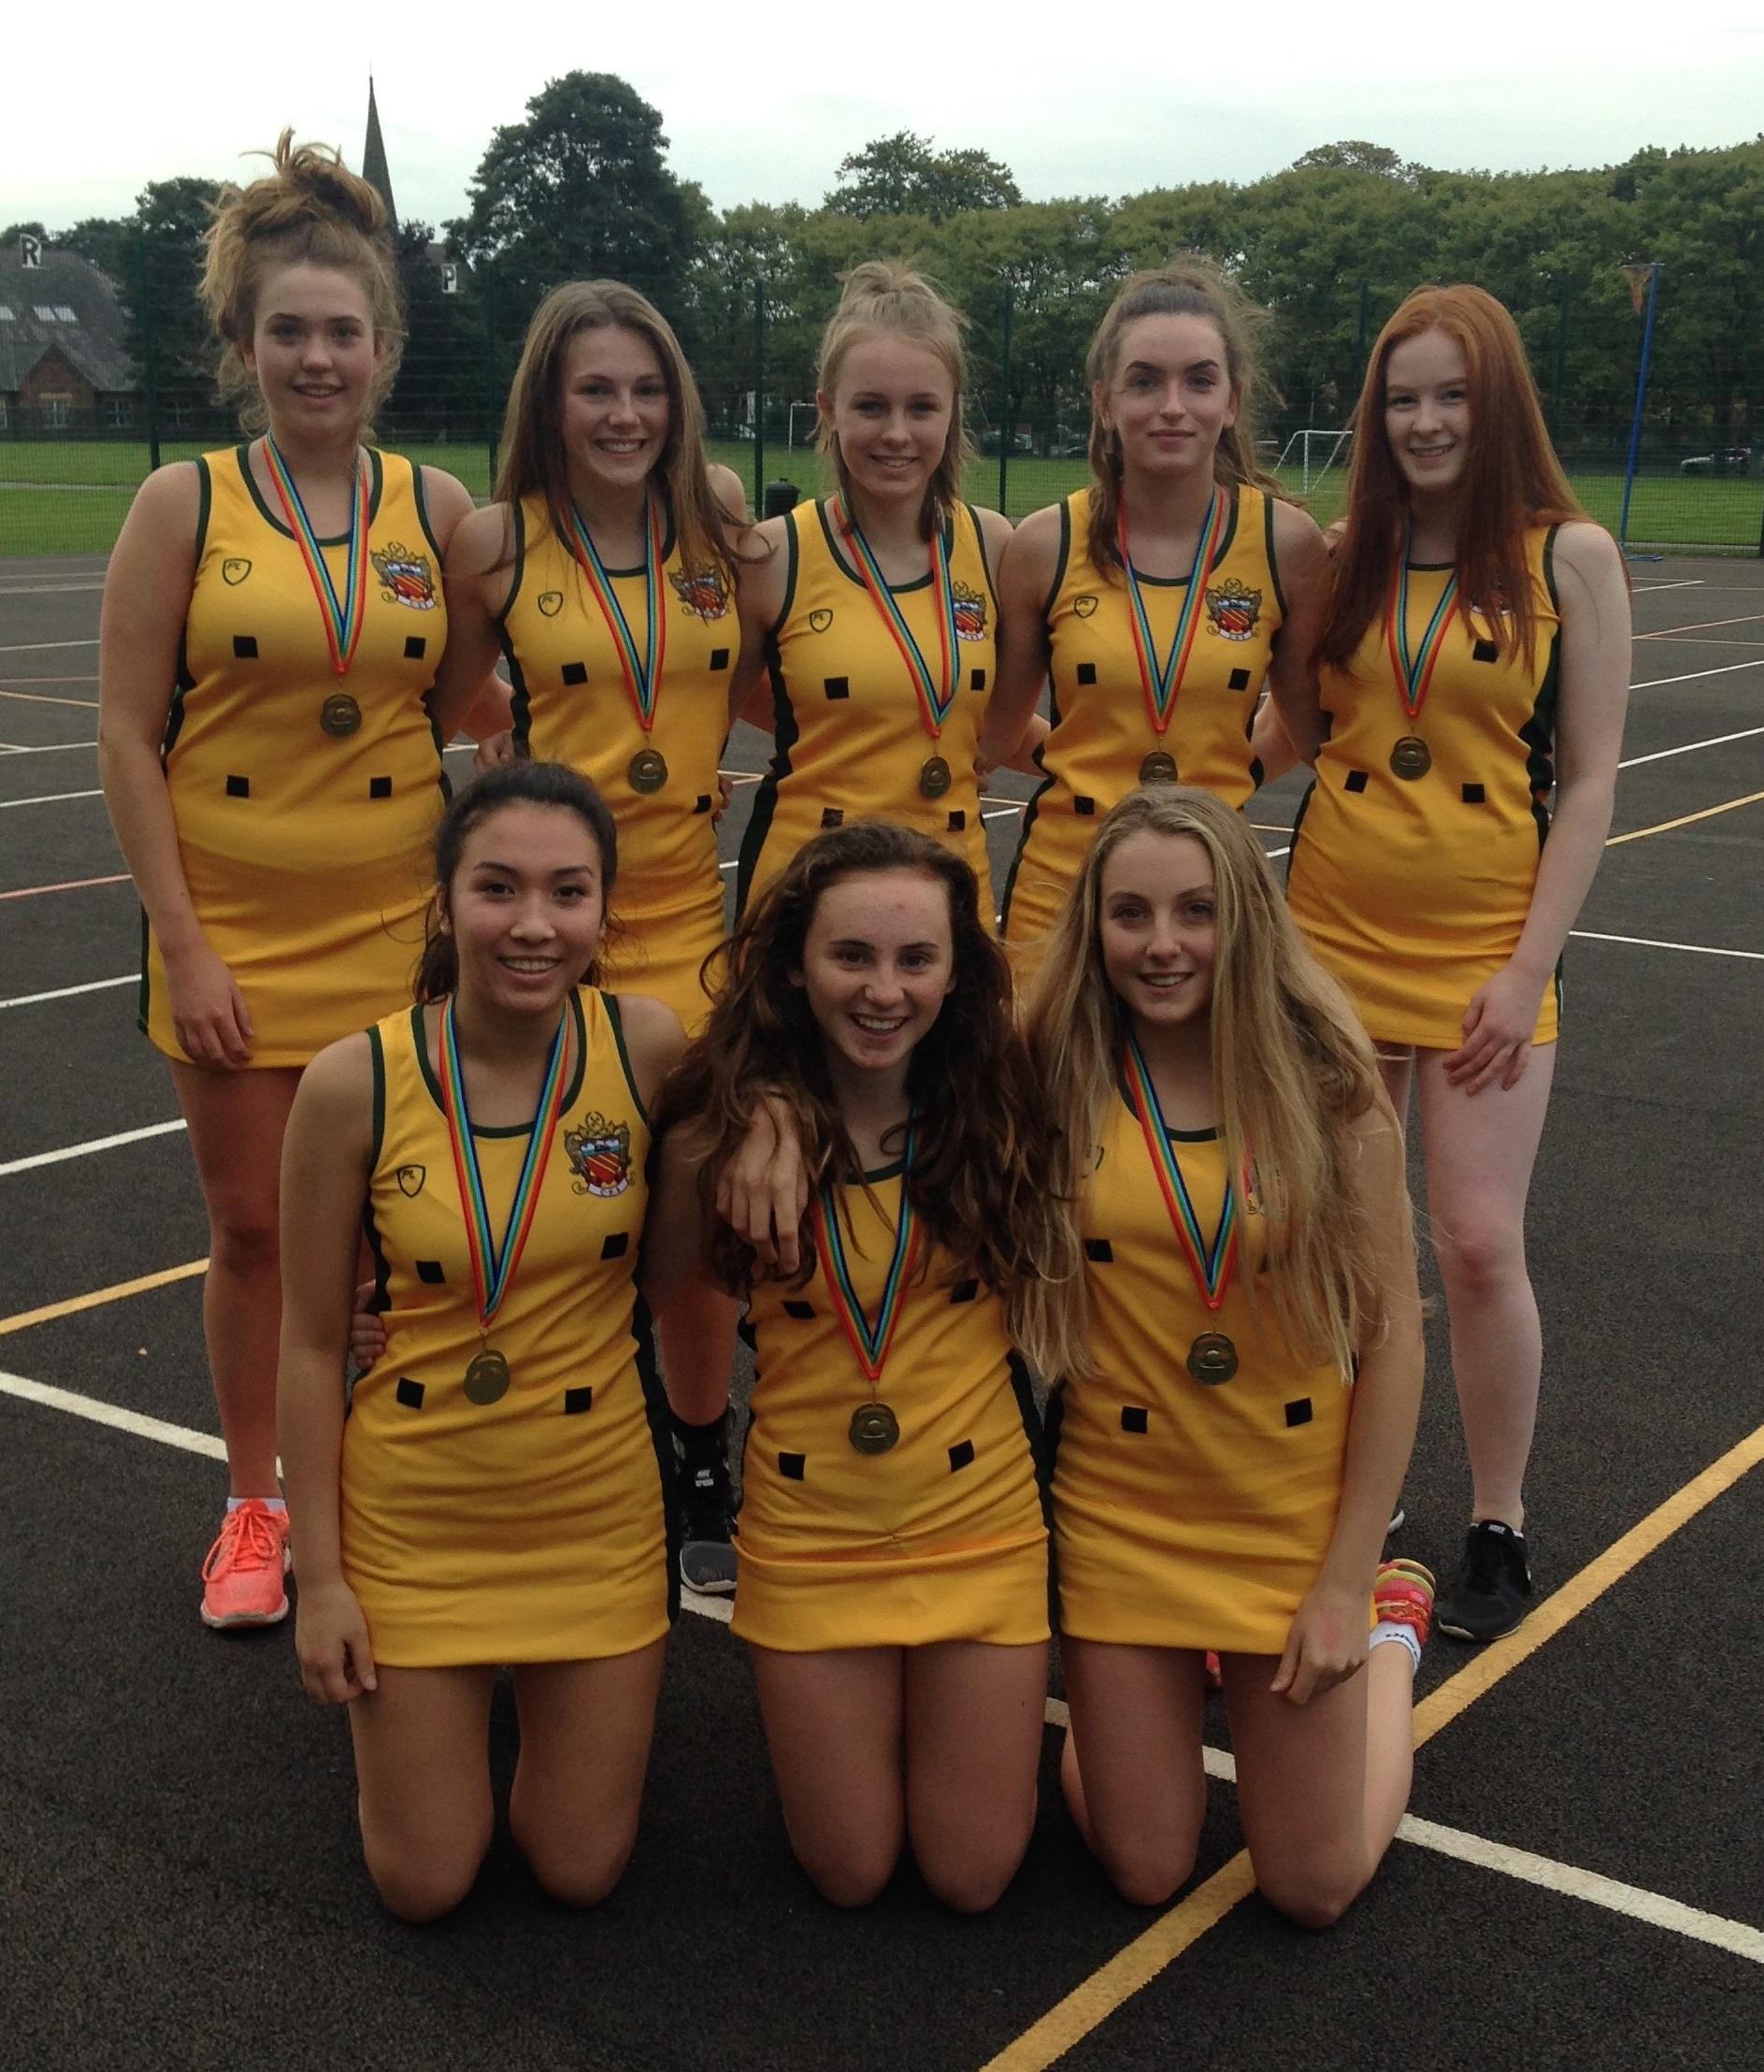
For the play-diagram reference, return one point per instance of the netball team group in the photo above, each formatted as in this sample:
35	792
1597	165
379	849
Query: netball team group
492	1057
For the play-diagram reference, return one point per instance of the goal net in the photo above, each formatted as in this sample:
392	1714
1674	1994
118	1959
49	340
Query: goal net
1310	455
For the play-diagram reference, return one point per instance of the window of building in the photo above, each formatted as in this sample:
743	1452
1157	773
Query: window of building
66	315
58	413
8	313
119	411
44	313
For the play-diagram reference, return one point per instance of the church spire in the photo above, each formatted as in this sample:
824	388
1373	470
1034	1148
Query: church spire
375	170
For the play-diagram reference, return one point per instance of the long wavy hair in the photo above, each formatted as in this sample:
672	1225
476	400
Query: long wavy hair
1513	481
981	1167
886	297
308	208
534	462
1293	1074
1189	285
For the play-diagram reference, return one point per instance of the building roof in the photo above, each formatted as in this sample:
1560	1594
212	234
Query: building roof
375	170
66	302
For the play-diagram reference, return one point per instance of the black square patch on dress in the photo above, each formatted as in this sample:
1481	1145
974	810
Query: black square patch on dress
719	658
1135	1420
1485	651
958	820
833	816
431	1272
961	1454
1474	795
1086	672
1239	679
789	1465
1100	1250
838	686
415	647
617	1245
702	803
379	787
801	1311
964	1291
578	1400
1356	781
244	648
976	680
238	787
1298	1413
409	1392
1083	807
574	672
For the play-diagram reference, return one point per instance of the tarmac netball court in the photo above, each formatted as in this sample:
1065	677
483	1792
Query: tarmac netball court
1581	1882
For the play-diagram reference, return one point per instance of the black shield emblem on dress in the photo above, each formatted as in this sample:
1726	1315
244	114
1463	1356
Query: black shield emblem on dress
820	621
234	569
1085	606
410	1179
551	602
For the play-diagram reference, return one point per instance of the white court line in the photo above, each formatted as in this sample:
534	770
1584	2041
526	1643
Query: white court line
1639	941
37	647
1716	741
48	748
85	1150
1685	582
53	798
111	1414
1727	669
68	992
44	589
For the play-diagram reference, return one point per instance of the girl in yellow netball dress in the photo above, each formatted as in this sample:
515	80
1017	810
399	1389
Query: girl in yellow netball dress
273	623
873	610
893	1552
1475	669
496	1493
605	573
1241	1361
1162	600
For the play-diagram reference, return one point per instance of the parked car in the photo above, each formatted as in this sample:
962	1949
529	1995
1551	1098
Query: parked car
1738	461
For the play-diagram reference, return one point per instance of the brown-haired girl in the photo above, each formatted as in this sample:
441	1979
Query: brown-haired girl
1160	599
272	627
1241	1367
893	1550
606	572
875	609
1476	659
496	1494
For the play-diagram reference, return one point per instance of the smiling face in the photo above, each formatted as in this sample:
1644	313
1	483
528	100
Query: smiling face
616	409
525	907
1156	925
1427	413
1169	398
892	407
878	962
313	350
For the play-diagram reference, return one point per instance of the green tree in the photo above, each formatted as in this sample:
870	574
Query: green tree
902	174
440	389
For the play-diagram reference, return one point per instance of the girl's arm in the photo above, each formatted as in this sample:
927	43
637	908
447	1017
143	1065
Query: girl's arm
1011	729
725	486
326	1160
1289	727
675	1231
479	579
760	599
146	595
1328	1641
1594	601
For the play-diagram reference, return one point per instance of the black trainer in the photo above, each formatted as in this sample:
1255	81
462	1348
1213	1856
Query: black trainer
707	1511
1488	1597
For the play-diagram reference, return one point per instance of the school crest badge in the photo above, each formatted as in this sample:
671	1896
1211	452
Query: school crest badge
1233	611
551	602
702	592
410	1179
600	1155
971	612
1085	606
406	577
820	621
234	569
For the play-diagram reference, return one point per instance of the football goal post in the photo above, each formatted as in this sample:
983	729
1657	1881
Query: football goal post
1311	455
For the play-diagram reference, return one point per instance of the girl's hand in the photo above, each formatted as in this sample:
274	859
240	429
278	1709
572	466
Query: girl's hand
337	1659
763	1190
366	1330
1326	1644
1498	1026
491	750
209	1014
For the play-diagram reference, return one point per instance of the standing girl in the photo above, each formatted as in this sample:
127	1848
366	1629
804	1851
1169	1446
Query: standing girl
1239	1178
875	611
1161	599
605	572
1476	657
893	1550
496	1494
272	625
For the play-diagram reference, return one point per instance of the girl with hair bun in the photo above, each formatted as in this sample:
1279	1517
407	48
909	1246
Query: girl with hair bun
273	622
876	612
1162	600
1474	674
607	571
496	1494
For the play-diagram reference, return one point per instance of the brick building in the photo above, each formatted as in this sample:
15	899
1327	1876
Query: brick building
62	363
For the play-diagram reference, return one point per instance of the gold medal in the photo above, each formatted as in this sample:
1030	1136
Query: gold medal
648	770
1412	757
874	1428
1212	1359
935	778
487	1379
1158	768
339	715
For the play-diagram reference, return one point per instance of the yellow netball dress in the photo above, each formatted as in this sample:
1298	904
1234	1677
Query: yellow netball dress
1214	649
502	1489
580	667
1193	1493
304	801
855	724
899	1511
1416	849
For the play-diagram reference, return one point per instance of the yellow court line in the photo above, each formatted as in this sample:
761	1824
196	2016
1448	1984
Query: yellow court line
1684	820
100	1296
1089	2004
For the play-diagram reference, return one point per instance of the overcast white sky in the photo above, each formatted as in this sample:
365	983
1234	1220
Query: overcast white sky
761	103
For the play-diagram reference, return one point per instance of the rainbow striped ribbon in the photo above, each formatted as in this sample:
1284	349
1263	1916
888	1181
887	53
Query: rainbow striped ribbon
494	1268
642	676
1414	676
934	697
1211	1264
1162	681
342	622
869	1343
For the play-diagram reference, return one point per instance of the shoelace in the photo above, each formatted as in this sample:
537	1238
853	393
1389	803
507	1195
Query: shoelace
249	1539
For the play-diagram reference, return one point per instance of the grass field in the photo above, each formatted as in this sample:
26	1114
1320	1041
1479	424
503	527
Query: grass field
63	497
